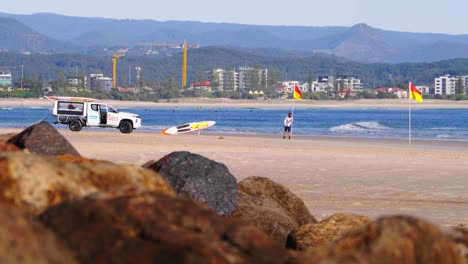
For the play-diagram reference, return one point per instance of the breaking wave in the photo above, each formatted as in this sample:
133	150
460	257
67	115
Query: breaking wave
371	126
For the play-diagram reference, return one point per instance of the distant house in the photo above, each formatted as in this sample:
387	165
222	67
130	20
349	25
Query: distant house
127	89
205	85
400	93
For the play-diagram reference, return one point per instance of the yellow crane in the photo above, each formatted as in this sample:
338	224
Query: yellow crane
114	69
184	46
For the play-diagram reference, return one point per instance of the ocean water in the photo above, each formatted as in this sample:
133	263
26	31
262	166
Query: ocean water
431	124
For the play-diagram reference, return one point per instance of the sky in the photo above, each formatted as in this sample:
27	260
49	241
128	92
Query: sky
428	16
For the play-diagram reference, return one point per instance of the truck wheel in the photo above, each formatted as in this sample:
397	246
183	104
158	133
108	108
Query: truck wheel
75	125
126	127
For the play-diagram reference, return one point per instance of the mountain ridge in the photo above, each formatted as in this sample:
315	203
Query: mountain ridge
360	42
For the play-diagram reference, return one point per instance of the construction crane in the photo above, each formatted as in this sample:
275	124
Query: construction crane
184	46
114	68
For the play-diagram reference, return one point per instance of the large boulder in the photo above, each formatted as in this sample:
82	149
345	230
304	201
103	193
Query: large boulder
42	138
37	182
394	239
157	228
326	231
200	178
25	240
271	207
459	236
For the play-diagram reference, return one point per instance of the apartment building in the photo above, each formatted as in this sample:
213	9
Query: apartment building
445	85
252	78
244	79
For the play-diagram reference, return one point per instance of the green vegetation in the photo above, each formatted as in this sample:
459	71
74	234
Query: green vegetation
161	77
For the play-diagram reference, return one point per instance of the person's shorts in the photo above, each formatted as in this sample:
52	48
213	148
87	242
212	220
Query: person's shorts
287	129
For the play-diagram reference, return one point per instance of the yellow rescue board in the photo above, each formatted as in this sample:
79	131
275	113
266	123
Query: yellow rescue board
187	128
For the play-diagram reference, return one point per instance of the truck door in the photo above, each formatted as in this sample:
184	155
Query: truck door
93	114
112	117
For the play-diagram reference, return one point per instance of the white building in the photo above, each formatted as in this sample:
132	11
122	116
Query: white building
5	79
445	85
424	89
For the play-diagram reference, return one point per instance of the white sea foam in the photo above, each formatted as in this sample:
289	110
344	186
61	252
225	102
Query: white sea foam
359	127
442	136
6	108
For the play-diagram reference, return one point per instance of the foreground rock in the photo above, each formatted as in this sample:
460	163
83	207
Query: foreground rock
396	239
156	228
202	179
24	240
323	233
271	207
459	236
42	138
5	137
36	182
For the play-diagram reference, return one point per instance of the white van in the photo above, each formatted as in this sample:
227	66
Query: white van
77	112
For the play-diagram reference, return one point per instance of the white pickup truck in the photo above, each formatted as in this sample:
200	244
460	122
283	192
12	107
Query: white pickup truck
77	112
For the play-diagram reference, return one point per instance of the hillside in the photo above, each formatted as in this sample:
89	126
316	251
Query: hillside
17	37
360	42
156	70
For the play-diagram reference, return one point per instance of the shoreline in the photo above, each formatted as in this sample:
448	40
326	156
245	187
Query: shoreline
253	103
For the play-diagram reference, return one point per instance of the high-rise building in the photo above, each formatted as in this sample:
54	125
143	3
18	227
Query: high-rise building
445	85
252	78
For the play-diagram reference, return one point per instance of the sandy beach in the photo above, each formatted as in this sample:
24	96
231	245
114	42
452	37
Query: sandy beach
275	103
372	177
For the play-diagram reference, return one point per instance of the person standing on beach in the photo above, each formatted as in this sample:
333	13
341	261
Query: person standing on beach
288	120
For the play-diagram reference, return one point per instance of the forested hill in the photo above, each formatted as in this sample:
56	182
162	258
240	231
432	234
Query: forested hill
15	36
52	67
360	42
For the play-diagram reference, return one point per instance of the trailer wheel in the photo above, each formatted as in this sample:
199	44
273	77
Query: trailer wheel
75	125
125	127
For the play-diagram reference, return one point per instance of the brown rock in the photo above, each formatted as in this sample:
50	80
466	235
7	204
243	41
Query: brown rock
323	233
271	207
5	137
459	236
8	147
395	239
42	138
36	182
24	240
156	228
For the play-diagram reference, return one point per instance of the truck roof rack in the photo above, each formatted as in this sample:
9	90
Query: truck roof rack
70	98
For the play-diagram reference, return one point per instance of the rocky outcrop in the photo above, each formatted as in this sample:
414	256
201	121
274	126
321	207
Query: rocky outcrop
324	232
36	182
156	228
202	179
271	207
459	236
24	240
42	138
395	239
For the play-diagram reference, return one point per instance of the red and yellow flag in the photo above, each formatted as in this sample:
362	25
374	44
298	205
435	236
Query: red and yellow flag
415	93
297	92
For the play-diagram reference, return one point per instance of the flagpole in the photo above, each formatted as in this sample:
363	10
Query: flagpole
292	113
409	113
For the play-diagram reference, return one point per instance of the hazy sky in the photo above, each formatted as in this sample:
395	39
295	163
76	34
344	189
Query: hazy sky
449	16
